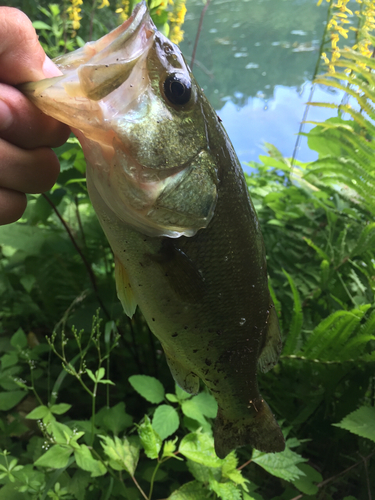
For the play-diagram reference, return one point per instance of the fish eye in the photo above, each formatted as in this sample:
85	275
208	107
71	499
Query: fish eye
177	89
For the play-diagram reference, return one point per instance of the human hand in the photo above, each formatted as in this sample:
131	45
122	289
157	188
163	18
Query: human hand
27	164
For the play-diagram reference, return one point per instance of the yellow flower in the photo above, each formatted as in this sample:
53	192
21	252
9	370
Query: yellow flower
73	10
176	20
123	9
105	3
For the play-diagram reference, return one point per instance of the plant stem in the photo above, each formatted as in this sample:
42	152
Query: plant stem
153	479
93	406
91	276
312	90
198	33
326	481
140	489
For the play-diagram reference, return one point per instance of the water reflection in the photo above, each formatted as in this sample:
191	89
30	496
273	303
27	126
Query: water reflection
253	61
275	120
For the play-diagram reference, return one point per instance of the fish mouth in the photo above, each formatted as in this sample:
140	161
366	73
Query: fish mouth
116	55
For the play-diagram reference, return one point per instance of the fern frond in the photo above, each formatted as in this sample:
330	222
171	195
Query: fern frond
362	101
297	318
328	340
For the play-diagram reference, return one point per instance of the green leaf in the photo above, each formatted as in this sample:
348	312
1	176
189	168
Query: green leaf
306	483
85	461
190	491
38	413
229	470
283	465
169	448
206	404
226	491
61	432
360	422
181	394
123	453
60	409
203	473
192	409
149	438
171	397
19	339
165	421
10	399
148	387
10	359
91	375
40	25
200	448
56	457
114	419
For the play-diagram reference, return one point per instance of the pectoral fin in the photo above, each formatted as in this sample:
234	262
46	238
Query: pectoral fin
124	290
272	346
180	272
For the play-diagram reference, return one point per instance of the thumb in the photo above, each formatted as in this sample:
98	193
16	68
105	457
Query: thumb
22	58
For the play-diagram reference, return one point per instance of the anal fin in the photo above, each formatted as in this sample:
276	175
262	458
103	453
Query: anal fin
124	290
272	345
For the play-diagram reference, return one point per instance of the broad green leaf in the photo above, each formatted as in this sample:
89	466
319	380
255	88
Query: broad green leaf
10	399
123	453
360	422
203	473
150	439
19	339
61	432
171	397
85	461
190	491
181	394
38	413
206	403
26	238
10	359
114	419
10	492
283	465
56	457
192	410
148	387
226	491
199	447
165	421
60	409
306	483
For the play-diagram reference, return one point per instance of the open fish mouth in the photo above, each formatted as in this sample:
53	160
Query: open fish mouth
133	103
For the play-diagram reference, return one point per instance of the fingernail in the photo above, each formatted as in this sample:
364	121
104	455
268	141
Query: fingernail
50	69
6	116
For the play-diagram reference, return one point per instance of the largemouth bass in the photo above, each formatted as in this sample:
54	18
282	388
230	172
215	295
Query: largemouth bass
171	197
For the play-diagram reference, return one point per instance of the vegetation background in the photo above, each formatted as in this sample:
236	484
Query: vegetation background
88	409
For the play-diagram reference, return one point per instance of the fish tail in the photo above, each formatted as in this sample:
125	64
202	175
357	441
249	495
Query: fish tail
260	430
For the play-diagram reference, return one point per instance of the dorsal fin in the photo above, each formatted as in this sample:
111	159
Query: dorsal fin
124	290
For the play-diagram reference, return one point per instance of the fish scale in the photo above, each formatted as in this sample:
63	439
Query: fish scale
171	197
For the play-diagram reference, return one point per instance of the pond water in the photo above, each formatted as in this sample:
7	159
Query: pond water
255	60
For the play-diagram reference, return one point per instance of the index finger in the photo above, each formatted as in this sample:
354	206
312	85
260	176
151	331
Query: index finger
21	55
